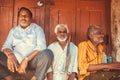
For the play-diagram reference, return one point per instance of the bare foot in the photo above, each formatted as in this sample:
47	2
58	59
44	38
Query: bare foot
33	78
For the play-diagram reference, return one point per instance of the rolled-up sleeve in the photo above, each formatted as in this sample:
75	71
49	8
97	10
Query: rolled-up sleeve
9	41
82	60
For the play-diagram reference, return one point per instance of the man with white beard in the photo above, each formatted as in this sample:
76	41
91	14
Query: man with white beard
65	63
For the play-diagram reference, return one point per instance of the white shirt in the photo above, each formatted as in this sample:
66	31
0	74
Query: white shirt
24	41
59	62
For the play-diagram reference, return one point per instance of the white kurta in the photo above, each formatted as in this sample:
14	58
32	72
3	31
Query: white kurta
59	62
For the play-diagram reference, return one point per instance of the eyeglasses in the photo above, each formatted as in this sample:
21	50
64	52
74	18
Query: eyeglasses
99	33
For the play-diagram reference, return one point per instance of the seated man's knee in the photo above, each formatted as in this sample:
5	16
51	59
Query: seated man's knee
48	53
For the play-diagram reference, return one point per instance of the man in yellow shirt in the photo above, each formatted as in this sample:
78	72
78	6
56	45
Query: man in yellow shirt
90	54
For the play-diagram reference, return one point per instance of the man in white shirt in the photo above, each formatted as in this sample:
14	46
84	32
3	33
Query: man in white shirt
65	56
25	47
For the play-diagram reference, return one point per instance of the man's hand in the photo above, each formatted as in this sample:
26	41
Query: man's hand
12	62
114	65
23	66
50	76
72	76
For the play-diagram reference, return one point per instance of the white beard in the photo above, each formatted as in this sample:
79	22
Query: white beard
62	40
96	40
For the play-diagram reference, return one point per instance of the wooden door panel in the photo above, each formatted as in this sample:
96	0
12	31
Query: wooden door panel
82	25
6	3
39	17
6	14
4	27
53	22
95	17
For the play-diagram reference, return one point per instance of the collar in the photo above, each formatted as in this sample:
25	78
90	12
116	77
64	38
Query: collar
21	29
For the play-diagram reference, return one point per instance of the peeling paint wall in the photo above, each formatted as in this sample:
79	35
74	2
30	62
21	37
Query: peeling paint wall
115	29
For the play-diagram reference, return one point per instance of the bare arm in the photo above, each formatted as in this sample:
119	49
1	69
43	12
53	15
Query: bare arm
50	76
34	53
96	67
72	76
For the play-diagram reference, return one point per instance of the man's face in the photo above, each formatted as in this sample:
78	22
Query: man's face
24	19
97	36
61	34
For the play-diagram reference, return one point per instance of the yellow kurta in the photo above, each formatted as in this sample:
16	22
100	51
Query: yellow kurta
86	56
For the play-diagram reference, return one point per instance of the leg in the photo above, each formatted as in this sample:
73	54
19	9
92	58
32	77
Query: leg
4	72
41	63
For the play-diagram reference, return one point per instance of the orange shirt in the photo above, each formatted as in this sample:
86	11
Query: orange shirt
86	56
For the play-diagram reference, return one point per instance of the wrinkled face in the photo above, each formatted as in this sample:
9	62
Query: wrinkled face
24	19
97	36
61	34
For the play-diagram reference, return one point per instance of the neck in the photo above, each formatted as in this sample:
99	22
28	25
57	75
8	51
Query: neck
24	27
63	44
95	44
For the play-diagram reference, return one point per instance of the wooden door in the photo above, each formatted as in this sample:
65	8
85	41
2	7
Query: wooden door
6	15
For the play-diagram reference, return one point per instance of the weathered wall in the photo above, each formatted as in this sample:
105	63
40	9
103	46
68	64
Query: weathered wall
115	28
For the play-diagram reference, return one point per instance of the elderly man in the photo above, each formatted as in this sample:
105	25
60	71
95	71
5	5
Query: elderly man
90	56
64	65
25	47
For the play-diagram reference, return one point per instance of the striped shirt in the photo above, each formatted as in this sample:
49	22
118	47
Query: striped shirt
87	55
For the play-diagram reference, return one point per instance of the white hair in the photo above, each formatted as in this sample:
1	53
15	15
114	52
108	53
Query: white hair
61	25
